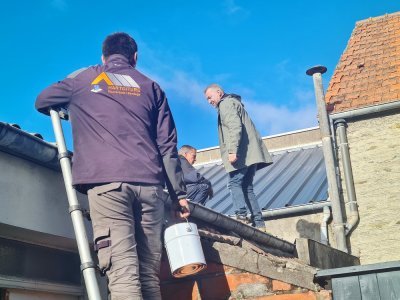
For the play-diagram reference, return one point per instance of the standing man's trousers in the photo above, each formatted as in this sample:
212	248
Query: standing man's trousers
240	185
127	222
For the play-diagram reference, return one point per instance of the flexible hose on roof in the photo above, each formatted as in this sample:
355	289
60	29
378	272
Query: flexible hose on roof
245	231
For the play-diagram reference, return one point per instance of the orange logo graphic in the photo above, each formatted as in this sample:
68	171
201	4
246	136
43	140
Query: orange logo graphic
116	84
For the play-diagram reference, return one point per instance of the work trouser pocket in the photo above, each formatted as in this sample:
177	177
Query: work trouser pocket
101	189
102	245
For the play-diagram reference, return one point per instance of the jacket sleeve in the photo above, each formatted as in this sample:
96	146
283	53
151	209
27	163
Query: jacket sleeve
231	120
166	138
190	174
56	95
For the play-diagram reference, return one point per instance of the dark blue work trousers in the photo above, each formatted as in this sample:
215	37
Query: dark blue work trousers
241	188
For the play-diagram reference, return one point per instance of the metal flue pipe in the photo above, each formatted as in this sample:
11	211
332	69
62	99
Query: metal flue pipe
273	244
338	224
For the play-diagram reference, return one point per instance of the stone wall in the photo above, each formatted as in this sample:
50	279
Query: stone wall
242	273
375	157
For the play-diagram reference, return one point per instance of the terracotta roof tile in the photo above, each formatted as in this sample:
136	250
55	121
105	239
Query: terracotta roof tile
368	71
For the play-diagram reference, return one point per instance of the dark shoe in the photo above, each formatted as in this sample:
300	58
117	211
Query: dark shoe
243	219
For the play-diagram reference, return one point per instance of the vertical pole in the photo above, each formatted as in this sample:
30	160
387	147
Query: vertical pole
338	224
87	264
341	126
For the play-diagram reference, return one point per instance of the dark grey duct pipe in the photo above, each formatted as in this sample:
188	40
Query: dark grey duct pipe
338	224
300	209
245	231
348	175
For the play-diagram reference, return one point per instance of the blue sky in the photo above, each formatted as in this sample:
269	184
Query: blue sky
258	49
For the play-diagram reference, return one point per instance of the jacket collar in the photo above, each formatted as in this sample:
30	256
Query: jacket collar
222	99
117	59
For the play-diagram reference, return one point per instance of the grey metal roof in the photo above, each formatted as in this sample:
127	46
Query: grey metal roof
296	177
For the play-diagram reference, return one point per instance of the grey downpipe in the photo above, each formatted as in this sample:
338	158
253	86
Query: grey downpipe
88	267
245	231
338	224
348	175
324	225
300	209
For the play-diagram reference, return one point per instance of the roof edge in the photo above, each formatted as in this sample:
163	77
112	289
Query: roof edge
268	137
372	19
274	152
22	144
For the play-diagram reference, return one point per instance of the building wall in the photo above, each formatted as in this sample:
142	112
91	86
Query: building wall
14	294
34	209
235	272
375	156
273	143
224	282
33	203
291	228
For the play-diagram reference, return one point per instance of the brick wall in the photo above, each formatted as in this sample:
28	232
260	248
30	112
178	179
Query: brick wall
224	282
375	156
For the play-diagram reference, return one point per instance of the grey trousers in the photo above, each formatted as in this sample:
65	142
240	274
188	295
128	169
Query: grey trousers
127	223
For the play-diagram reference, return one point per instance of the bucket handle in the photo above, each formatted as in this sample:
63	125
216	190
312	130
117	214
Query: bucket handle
189	227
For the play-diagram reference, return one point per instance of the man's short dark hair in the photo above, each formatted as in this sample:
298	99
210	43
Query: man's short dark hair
119	43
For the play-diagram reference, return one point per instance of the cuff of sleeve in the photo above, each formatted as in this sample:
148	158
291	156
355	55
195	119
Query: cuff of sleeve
233	149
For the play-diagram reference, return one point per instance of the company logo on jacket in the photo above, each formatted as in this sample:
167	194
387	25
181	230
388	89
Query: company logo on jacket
116	84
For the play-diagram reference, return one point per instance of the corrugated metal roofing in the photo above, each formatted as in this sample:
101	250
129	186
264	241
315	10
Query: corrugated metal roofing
296	177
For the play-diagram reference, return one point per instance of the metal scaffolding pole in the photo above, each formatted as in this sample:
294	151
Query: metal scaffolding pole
88	267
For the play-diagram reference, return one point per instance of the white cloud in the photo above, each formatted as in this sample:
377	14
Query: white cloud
182	84
185	86
271	119
304	95
232	9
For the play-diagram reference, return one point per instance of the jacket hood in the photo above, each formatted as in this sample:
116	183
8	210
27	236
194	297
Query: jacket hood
237	97
234	96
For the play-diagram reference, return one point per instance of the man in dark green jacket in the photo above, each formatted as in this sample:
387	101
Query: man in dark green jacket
242	151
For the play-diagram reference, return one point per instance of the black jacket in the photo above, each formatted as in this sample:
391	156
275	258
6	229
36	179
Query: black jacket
190	174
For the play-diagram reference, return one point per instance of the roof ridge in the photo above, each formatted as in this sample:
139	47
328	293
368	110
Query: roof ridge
372	19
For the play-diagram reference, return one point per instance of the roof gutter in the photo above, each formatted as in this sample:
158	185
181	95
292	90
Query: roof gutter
27	146
357	113
272	244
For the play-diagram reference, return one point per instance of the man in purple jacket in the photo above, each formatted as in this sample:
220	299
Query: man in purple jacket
124	152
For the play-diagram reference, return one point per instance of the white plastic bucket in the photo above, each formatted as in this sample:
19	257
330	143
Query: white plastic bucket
185	254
